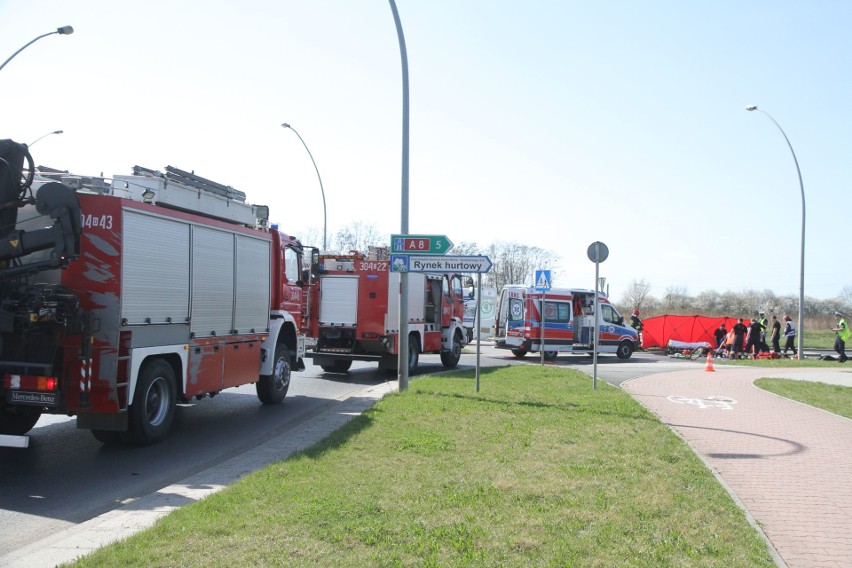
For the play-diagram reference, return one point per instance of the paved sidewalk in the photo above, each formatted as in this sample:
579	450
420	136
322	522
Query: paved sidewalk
789	465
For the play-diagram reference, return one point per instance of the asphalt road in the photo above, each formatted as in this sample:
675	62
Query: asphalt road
66	477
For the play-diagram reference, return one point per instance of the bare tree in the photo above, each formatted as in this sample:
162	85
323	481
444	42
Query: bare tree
636	293
676	299
846	296
465	249
358	236
515	263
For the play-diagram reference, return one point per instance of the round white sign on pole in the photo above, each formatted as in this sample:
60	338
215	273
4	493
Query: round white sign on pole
598	252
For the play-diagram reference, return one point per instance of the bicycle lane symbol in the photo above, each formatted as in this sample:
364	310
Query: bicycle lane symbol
718	402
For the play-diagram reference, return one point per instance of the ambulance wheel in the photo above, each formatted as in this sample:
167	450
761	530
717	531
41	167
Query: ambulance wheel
19	423
451	358
519	353
150	416
413	353
625	350
550	355
337	366
271	389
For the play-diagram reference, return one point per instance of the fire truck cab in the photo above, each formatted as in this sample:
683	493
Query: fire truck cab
569	323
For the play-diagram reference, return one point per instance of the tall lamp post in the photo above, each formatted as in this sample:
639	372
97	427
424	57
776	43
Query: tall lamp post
64	30
30	145
800	332
324	210
402	361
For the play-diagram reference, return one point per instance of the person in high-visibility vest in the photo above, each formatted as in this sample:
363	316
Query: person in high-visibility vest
842	335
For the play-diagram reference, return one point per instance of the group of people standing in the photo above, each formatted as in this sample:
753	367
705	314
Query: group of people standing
750	340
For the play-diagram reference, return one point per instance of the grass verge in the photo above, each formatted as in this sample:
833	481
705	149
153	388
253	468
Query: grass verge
537	469
785	363
833	398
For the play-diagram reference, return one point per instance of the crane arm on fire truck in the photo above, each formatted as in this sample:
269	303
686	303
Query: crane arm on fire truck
52	199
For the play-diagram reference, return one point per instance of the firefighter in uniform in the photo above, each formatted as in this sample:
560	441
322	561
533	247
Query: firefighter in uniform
636	324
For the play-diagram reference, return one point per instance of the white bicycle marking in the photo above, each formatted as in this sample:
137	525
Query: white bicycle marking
720	402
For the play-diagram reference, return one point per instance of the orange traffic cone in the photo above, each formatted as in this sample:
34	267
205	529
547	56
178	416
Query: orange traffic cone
709	366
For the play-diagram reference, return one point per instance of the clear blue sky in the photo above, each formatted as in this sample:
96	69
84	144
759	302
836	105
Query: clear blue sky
551	123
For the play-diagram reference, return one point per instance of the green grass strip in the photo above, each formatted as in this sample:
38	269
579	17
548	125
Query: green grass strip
833	398
537	469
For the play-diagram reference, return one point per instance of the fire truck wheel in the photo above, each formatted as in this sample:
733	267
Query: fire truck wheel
151	415
519	353
338	366
19	423
625	350
551	355
413	353
451	358
271	389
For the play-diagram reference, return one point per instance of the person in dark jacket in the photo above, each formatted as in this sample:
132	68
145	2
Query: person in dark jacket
775	335
720	334
753	341
635	322
740	331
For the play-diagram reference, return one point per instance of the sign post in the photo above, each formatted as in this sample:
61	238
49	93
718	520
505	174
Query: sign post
542	284
598	252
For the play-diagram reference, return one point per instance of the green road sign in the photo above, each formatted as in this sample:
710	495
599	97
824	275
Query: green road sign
420	244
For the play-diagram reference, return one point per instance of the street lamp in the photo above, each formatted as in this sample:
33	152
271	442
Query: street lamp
64	30
30	145
402	362
800	333
324	210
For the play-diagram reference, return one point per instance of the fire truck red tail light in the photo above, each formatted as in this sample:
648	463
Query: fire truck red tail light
30	382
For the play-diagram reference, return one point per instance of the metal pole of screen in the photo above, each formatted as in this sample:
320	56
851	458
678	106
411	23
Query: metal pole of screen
477	322
598	252
402	361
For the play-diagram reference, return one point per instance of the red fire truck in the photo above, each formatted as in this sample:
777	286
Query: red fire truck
354	313
141	293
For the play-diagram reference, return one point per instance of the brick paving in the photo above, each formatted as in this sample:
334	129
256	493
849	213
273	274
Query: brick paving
790	465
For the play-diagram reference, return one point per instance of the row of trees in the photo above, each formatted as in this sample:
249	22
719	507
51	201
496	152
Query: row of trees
515	263
677	300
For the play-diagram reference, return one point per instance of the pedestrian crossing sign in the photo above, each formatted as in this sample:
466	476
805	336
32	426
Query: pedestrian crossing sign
542	280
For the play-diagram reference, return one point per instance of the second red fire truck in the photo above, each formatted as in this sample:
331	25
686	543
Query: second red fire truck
354	313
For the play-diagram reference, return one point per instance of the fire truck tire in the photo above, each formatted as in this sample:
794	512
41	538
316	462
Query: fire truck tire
519	353
450	359
271	389
338	366
625	350
551	355
19	423
151	415
413	353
